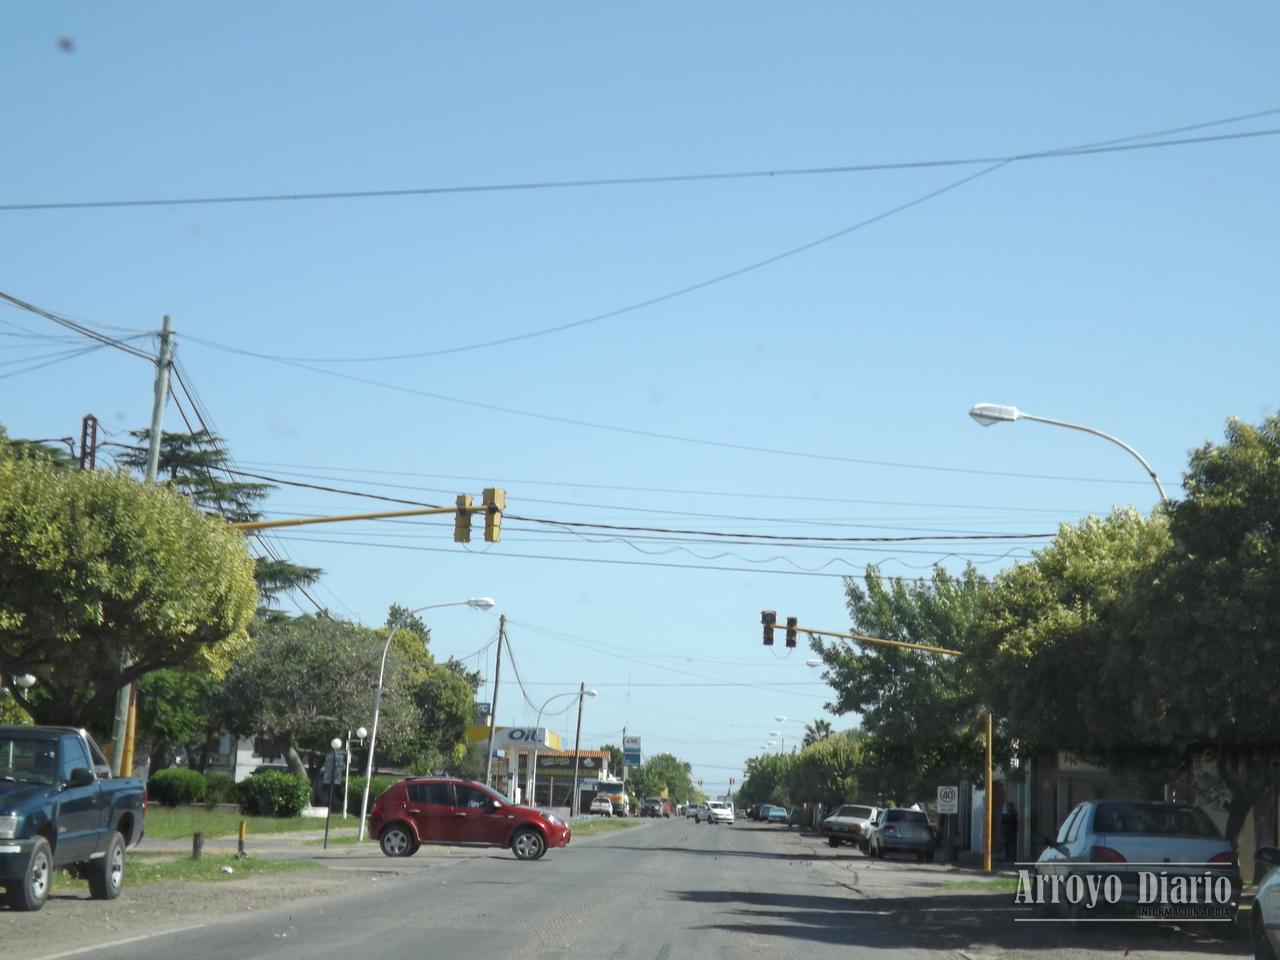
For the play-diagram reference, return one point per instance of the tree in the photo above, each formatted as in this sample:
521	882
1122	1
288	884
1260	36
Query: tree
305	680
829	771
615	759
1212	643
93	564
768	779
197	465
813	732
664	774
178	711
919	709
1057	650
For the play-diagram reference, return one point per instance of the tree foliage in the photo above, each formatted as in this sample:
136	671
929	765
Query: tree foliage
663	774
768	779
829	771
813	732
94	563
919	710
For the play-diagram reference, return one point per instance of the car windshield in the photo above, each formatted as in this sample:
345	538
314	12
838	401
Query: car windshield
861	812
27	760
906	816
1164	819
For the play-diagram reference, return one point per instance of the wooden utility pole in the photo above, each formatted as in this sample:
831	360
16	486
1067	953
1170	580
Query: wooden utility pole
577	750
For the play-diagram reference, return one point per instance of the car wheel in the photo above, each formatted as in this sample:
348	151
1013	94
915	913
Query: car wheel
833	841
32	890
397	841
106	875
528	844
1262	949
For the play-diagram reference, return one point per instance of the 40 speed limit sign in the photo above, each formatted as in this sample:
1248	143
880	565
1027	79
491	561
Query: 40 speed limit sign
948	799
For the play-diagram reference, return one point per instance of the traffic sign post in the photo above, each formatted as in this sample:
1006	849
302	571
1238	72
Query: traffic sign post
949	810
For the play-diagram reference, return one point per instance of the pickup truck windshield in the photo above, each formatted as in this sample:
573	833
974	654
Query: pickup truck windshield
28	760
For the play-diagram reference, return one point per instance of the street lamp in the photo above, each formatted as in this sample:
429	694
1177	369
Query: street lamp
26	682
813	663
989	414
783	745
533	758
478	603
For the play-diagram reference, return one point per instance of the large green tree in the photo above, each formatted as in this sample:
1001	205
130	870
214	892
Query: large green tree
663	774
198	466
1212	618
829	771
768	779
919	709
93	564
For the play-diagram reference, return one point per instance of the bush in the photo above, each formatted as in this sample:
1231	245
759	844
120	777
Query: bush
273	793
355	790
176	785
220	788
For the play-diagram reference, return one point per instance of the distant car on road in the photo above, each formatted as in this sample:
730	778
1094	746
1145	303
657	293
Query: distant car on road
717	811
602	806
1125	837
849	824
771	814
445	810
902	831
691	811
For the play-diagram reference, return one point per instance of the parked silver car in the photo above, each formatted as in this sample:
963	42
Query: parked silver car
849	824
1264	915
902	831
1129	838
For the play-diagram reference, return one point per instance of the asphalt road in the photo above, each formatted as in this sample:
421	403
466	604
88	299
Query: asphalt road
667	890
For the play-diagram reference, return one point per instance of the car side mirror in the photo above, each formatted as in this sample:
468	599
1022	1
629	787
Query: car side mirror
497	804
1044	841
80	777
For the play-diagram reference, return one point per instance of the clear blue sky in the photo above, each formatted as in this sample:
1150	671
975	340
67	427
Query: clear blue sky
1133	291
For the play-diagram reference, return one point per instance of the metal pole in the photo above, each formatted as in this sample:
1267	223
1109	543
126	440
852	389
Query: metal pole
493	707
328	814
987	801
577	750
346	778
1105	436
373	733
120	743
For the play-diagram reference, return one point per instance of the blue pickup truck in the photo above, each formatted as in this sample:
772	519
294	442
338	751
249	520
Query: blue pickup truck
60	808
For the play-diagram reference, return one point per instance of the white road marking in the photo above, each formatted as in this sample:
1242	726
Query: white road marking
118	943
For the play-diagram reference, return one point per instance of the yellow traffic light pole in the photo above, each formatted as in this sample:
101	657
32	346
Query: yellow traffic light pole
769	619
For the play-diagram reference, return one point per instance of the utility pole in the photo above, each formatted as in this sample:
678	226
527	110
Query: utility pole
577	751
126	698
493	707
88	442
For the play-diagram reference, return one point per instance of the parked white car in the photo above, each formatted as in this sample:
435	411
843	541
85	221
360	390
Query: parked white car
850	824
1264	915
602	806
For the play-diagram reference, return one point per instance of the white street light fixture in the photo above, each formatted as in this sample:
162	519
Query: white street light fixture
26	681
989	414
477	603
813	663
336	743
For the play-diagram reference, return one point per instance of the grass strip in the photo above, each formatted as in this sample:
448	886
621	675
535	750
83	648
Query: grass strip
181	823
139	872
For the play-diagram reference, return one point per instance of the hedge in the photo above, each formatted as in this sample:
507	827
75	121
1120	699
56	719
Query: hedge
355	790
176	785
274	793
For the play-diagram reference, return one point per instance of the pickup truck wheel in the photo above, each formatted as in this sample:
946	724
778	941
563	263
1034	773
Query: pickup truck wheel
32	890
106	875
528	844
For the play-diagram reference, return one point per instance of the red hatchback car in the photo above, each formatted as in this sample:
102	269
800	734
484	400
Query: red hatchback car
445	810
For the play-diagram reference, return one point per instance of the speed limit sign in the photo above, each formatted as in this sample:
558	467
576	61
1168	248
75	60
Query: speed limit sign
948	799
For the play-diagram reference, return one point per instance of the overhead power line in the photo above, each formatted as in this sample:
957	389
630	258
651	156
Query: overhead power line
596	182
78	327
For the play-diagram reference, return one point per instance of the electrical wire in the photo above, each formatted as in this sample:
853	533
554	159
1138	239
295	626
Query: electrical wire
770	174
1123	143
79	328
58	358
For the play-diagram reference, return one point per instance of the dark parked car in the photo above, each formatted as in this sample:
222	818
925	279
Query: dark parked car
902	831
446	810
771	814
61	808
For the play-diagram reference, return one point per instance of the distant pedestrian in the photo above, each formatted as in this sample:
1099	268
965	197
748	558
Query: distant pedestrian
1009	831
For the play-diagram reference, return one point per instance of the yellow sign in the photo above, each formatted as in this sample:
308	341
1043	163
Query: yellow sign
516	738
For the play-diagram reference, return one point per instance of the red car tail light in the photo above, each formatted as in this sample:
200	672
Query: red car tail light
1225	859
1105	855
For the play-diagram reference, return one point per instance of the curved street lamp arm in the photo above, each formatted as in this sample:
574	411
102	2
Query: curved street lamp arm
1105	436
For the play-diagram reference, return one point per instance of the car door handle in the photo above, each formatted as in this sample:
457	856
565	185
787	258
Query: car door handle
459	813
411	810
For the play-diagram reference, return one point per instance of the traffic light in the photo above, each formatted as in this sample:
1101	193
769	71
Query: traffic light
462	519
768	618
495	501
791	631
731	781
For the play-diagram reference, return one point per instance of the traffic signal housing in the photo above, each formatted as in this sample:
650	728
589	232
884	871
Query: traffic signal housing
768	618
462	519
791	631
495	501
